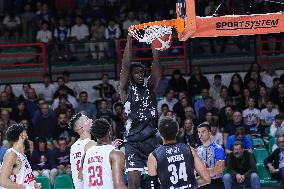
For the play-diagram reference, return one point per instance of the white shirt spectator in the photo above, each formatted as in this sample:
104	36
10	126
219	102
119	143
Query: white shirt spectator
251	115
274	129
71	100
44	36
80	32
11	23
112	32
267	116
169	103
47	92
268	79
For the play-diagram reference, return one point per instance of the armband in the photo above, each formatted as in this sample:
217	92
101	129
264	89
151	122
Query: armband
154	182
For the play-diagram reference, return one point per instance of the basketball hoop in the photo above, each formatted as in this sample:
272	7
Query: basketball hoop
149	32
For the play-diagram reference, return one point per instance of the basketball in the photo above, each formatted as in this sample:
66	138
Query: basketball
162	43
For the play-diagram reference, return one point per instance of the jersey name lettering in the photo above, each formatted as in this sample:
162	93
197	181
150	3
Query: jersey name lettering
77	155
95	159
175	158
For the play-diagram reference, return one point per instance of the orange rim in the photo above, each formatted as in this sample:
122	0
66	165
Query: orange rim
178	24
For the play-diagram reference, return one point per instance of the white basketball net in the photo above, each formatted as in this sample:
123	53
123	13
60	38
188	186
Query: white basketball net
150	33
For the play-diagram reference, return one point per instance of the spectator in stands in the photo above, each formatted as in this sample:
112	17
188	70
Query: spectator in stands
27	124
225	117
197	82
236	88
20	113
26	87
38	113
32	102
47	90
6	103
230	129
62	131
42	161
251	116
112	32
44	35
263	96
63	105
162	84
71	85
277	127
12	24
163	114
85	106
2	127
241	168
4	146
274	89
97	45
268	75
120	119
275	162
267	115
253	68
245	99
241	136
28	23
253	88
104	113
208	101
10	93
62	35
279	98
177	82
129	22
212	155
62	157
179	108
45	124
189	114
44	15
107	91
199	102
188	134
216	136
216	87
222	97
79	34
5	115
63	90
168	99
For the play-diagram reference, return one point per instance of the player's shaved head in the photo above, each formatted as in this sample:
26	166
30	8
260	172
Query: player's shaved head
13	132
168	128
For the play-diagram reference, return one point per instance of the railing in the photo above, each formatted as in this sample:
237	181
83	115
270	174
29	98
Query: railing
173	58
266	54
17	58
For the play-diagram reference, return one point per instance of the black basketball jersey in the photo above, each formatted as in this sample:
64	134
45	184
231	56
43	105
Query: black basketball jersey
141	108
175	166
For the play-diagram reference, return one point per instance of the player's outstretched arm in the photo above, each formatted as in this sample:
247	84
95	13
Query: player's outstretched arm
117	164
156	70
125	70
201	170
6	171
152	171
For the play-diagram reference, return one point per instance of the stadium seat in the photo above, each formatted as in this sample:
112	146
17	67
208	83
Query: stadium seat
258	142
45	184
265	177
63	181
271	144
260	154
267	132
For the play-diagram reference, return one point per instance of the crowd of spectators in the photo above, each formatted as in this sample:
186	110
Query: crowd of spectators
244	108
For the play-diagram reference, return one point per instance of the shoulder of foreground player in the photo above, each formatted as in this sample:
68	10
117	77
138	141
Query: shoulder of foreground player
89	145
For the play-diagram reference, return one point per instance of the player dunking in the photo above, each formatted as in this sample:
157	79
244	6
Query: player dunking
172	165
16	171
103	164
137	94
80	124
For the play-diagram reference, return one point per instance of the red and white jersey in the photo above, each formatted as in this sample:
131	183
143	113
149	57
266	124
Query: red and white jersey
97	173
76	154
25	175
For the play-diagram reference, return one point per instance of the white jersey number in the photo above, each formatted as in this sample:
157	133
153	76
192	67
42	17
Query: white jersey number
177	174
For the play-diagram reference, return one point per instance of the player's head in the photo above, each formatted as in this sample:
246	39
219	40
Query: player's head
204	132
80	123
137	73
101	130
168	129
16	133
